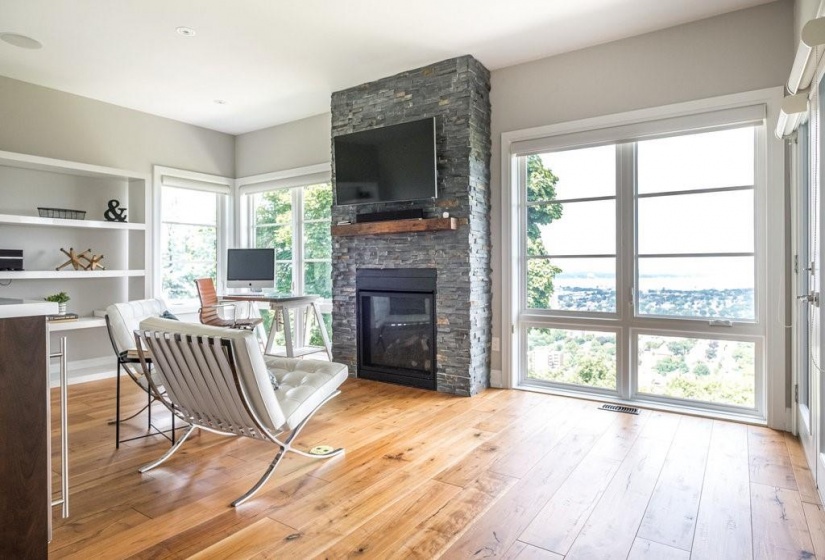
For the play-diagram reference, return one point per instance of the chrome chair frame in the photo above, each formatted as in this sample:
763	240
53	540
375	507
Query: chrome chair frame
204	388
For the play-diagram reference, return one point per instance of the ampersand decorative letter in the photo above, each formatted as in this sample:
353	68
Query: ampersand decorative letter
114	213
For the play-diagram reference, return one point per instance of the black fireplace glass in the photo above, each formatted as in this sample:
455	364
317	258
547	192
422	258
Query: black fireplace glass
397	331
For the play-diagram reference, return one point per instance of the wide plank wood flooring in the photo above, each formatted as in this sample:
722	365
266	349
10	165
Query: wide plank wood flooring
506	474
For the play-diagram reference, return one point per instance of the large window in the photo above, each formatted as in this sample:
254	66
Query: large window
295	221
191	234
639	270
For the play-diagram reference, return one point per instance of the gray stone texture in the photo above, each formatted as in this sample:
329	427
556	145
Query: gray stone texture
457	92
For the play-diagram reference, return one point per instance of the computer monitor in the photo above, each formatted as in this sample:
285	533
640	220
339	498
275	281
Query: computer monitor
250	268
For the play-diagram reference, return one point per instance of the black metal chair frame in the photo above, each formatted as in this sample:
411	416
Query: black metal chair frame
125	363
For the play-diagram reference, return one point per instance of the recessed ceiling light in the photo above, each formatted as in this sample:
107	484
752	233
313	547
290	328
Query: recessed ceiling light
221	102
186	31
20	41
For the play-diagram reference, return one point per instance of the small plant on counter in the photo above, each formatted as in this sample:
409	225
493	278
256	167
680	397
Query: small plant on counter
61	297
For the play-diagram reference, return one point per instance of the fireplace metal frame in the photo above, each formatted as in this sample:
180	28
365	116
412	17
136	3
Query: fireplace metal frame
372	282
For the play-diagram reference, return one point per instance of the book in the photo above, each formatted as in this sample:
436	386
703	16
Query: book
63	317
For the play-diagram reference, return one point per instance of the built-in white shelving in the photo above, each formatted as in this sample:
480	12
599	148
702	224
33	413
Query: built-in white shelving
80	323
68	274
12	219
30	182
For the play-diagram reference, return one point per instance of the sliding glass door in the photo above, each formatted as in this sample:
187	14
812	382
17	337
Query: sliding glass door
641	263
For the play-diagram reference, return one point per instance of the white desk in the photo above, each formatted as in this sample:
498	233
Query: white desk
282	304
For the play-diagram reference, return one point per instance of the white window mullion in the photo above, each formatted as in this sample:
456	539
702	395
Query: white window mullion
625	267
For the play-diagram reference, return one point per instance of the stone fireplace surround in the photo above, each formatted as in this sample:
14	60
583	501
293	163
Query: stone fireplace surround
456	92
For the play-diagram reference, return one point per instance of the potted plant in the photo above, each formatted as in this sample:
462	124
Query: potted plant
60	298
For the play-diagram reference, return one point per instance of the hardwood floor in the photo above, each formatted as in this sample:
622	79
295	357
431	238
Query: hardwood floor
506	474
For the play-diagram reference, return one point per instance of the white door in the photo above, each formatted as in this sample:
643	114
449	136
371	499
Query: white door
805	277
812	439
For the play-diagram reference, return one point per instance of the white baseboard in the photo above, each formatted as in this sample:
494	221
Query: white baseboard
83	371
496	379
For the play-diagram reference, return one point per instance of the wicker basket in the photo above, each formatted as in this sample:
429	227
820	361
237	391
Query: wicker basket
61	213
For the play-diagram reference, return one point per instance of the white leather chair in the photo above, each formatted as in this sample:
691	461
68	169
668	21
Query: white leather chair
121	321
218	379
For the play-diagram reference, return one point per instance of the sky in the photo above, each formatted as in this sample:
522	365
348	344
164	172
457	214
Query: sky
716	222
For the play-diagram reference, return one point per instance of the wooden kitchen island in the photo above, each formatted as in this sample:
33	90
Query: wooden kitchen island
25	478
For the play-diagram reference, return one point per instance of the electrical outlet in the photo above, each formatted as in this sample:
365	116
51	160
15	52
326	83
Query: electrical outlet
496	344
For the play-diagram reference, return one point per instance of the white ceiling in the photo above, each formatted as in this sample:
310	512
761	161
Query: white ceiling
275	61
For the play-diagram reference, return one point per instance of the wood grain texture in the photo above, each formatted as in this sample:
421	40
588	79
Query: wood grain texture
524	551
769	460
395	226
802	473
428	475
24	437
723	527
815	519
779	526
648	550
610	530
670	517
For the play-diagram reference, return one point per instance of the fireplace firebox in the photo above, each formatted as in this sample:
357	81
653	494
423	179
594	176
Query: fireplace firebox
396	325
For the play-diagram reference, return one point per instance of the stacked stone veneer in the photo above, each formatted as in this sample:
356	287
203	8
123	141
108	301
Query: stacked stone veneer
457	92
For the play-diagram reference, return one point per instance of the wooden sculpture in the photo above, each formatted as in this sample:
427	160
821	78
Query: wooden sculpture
74	259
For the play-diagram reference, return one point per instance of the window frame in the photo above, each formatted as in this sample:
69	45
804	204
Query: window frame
222	187
287	179
768	206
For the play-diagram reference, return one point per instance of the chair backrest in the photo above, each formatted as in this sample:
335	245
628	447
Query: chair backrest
209	301
124	318
215	376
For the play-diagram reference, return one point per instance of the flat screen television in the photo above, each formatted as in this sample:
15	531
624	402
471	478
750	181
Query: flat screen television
388	164
250	268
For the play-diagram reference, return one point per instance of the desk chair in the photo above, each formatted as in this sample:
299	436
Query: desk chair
217	379
210	306
121	320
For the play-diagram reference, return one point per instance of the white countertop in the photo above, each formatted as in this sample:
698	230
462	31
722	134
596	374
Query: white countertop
26	308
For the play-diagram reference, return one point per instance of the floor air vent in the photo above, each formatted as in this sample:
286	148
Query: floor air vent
618	408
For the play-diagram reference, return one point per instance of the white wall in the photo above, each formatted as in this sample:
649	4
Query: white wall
50	123
804	10
740	51
296	144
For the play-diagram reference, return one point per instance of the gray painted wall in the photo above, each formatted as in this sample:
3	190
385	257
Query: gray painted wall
296	144
50	123
804	10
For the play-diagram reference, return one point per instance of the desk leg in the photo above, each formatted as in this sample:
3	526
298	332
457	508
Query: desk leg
323	328
288	333
270	339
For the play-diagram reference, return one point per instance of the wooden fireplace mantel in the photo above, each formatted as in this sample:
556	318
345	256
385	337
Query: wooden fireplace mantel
396	226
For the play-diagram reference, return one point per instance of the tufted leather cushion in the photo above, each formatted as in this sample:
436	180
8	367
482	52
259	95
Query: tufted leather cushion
250	364
304	384
125	318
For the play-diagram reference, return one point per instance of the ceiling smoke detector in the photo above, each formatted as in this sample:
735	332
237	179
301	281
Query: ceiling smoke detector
185	31
20	41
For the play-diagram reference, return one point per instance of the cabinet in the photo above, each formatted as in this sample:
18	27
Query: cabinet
24	439
28	182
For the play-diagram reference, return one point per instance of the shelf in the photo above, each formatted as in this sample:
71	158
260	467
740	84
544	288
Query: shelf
66	274
81	323
16	220
396	226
